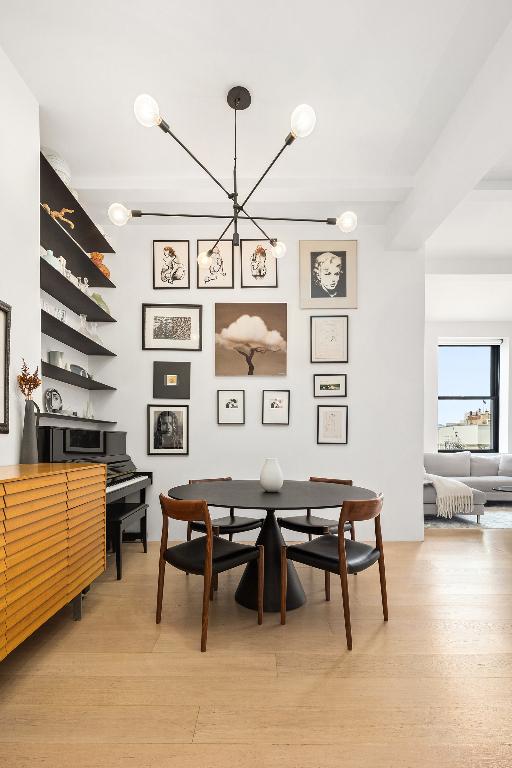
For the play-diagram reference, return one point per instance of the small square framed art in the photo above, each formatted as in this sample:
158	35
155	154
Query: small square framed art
230	406
171	380
275	406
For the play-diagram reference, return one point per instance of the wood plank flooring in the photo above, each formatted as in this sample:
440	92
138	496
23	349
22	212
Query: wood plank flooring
433	687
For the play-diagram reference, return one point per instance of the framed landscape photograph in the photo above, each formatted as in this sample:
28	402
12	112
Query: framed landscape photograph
5	336
171	264
328	274
329	339
330	385
168	432
220	273
250	339
230	406
171	381
172	326
332	424
258	265
275	406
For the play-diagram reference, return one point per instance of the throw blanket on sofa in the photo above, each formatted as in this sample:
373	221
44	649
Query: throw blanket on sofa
453	497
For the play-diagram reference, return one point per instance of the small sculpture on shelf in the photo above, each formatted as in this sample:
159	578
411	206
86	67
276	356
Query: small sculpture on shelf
60	215
28	383
97	260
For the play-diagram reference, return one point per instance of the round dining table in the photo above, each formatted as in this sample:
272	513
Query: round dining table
294	495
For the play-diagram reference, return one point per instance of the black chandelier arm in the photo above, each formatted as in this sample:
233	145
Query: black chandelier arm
289	139
222	235
138	214
254	221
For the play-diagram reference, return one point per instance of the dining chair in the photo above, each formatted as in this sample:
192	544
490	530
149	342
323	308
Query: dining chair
206	556
226	525
337	554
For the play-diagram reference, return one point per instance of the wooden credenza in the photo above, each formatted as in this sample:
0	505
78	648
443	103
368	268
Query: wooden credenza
52	542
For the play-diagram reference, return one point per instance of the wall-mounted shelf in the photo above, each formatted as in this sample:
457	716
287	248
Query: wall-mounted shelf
44	416
62	289
57	195
68	377
58	330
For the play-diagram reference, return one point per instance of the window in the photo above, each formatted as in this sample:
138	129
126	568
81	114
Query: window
468	398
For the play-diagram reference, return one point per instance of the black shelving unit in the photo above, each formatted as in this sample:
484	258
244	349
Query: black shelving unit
62	289
58	330
68	377
44	416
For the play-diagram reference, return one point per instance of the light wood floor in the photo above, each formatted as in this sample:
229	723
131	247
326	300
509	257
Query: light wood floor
433	687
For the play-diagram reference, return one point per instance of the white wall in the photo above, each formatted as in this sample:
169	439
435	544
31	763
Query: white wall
385	375
19	236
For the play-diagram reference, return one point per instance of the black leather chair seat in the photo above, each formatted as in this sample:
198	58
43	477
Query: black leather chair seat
230	524
226	554
323	553
315	525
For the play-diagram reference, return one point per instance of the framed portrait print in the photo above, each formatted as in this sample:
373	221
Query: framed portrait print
171	264
328	274
172	326
171	381
329	339
220	273
5	336
258	265
330	385
230	406
332	424
250	339
275	406
168	431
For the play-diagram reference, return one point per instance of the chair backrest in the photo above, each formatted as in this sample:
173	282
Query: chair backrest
358	510
329	480
209	480
188	511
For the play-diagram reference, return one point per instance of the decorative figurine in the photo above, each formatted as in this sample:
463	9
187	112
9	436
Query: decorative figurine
60	215
97	260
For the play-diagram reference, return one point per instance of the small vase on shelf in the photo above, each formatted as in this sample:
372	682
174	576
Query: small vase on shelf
271	476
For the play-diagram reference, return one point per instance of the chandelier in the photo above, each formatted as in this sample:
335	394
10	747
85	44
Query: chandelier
302	121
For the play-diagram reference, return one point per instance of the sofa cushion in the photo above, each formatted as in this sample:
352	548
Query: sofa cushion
485	484
505	467
429	494
485	466
448	464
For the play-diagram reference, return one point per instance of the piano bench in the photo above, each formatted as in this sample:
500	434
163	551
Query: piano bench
119	516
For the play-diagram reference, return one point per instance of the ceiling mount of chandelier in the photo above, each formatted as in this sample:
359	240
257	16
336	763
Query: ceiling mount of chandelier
302	121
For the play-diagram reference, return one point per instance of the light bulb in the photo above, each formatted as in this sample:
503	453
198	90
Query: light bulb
205	259
146	110
279	249
303	121
119	214
347	222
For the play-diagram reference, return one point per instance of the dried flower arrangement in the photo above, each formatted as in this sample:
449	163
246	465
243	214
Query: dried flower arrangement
27	381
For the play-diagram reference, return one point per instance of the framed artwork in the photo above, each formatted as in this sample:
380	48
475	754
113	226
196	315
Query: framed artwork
328	274
250	339
220	273
332	424
230	406
171	264
275	406
171	381
330	385
168	432
172	326
329	339
258	265
5	341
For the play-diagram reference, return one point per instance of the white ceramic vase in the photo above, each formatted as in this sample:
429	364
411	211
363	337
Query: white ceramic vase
271	476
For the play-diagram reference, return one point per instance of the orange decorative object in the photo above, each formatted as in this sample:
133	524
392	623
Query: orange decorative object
97	259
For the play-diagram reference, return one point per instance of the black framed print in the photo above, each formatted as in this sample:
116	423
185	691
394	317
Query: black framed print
171	264
328	274
220	272
332	424
230	406
5	342
168	431
329	339
258	265
275	406
171	381
330	384
172	326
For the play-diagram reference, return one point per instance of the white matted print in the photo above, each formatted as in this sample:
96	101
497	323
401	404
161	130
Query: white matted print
328	274
275	407
171	264
258	264
330	385
329	339
332	424
230	406
168	432
220	272
171	326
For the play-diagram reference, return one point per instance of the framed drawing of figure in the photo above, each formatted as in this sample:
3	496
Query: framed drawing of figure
329	339
5	331
171	264
332	424
258	264
220	272
328	274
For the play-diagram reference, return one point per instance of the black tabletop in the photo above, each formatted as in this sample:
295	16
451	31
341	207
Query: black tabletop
248	494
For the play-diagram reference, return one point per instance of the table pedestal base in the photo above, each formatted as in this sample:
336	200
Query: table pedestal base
247	591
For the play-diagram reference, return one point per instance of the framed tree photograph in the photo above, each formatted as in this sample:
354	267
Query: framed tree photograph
168	430
171	381
230	406
275	406
332	424
171	264
5	338
220	273
258	265
250	339
328	274
172	326
330	384
329	339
